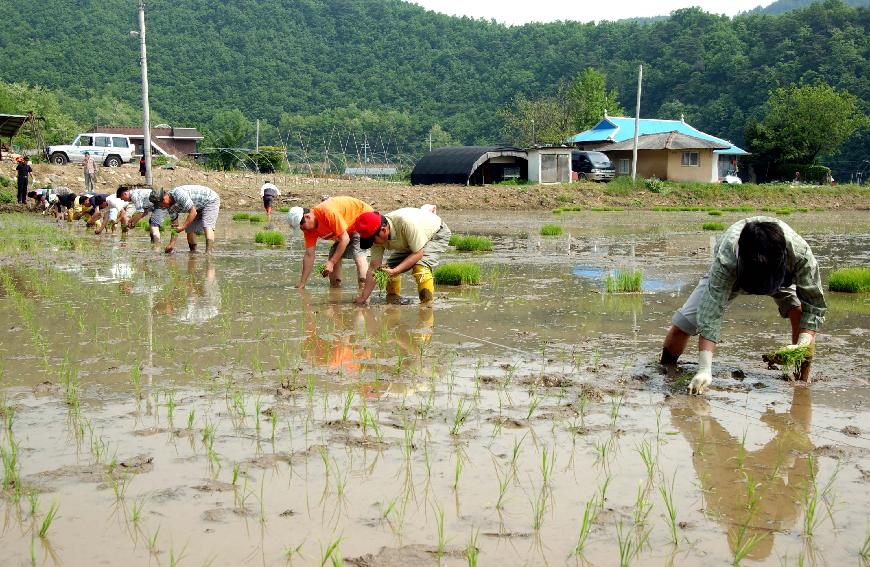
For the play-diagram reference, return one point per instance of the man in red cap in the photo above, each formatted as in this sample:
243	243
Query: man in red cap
415	238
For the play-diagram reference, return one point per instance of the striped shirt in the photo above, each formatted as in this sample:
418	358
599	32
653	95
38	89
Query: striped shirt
188	197
801	265
139	199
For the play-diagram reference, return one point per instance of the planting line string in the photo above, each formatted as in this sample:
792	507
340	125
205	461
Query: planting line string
757	413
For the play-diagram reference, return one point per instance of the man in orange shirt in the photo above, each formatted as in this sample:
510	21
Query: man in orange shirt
330	220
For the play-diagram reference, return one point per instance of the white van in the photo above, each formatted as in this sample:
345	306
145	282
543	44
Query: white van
109	149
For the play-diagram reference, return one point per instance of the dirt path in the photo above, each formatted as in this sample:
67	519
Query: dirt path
240	190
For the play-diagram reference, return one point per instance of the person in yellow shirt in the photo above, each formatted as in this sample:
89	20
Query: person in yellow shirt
331	220
415	238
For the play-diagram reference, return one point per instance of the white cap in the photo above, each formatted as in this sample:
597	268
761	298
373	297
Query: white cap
294	217
430	209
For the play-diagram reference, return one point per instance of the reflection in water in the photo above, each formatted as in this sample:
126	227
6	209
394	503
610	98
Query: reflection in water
762	489
649	284
351	342
191	297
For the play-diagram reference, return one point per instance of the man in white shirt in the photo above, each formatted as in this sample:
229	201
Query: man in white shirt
268	192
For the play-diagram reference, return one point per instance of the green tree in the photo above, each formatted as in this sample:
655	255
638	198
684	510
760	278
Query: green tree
229	132
543	120
588	99
55	125
805	122
440	138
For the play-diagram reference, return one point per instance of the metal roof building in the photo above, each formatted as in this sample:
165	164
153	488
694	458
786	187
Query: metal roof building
470	165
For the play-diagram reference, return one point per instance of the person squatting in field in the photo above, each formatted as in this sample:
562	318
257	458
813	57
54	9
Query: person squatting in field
331	220
202	206
755	256
415	238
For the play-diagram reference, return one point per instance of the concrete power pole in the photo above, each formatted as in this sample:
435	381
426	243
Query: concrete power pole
146	111
636	125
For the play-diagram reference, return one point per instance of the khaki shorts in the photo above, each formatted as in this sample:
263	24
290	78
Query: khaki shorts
353	250
436	246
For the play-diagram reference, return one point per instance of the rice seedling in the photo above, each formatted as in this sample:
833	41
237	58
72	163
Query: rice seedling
284	209
471	243
547	465
551	230
790	359
256	218
850	280
742	543
471	549
241	216
667	494
459	418
47	520
503	480
152	541
715	213
539	508
457	273
625	543
381	278
348	400
136	508
439	528
624	281
270	238
590	514
713	226
864	550
291	552
642	505
812	494
644	449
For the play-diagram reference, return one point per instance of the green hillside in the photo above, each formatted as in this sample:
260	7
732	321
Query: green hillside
320	69
782	6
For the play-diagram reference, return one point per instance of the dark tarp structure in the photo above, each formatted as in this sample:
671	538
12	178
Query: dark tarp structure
470	165
10	124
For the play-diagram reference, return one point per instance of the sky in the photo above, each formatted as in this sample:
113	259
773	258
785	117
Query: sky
516	12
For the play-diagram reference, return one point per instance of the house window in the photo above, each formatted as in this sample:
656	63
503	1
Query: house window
624	166
690	159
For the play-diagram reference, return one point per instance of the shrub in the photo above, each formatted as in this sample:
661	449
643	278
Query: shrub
850	280
625	281
458	273
551	230
655	185
257	218
471	243
6	197
269	237
713	226
811	173
5	181
241	216
714	213
269	159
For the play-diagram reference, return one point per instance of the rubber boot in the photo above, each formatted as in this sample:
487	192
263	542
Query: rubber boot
394	287
425	283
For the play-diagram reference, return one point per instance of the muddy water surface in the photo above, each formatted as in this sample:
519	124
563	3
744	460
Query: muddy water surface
193	409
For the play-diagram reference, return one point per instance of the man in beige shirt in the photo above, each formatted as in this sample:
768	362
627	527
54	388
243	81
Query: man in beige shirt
90	167
415	239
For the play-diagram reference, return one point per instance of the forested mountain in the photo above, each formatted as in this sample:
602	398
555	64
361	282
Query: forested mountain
327	68
782	6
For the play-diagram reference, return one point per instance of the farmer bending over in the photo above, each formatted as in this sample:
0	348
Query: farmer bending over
202	206
755	256
415	237
268	192
331	220
140	202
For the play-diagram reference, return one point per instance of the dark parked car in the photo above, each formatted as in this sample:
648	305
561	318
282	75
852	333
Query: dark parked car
594	166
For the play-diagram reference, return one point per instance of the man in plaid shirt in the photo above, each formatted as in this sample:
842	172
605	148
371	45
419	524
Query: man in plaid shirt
201	205
139	198
755	256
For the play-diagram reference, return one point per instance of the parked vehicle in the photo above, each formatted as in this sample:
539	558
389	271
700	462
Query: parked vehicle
593	166
109	149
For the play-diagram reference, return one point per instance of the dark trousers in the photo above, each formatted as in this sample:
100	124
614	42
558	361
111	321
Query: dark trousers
22	189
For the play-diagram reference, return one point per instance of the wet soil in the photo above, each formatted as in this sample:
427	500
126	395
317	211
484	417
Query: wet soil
199	407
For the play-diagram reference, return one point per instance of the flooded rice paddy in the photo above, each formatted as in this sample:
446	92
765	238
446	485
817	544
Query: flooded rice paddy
194	410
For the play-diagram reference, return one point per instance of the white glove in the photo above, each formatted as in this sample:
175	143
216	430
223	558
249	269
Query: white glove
704	376
804	340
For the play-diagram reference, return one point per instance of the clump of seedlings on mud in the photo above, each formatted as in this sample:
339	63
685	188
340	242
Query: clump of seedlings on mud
381	278
624	281
471	243
850	280
713	226
457	273
790	358
551	230
270	238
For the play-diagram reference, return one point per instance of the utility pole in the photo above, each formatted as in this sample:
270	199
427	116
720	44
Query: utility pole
258	136
430	140
146	111
533	131
365	154
636	125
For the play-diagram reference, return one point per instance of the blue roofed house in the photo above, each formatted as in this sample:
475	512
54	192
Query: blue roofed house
667	149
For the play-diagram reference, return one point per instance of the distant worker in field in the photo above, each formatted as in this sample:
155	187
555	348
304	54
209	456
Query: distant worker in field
25	174
202	206
117	211
89	166
331	220
268	192
139	199
63	203
755	256
415	238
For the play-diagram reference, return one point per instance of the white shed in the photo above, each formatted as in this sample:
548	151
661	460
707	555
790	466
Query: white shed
550	165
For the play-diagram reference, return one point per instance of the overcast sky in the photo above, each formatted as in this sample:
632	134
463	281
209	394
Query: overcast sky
521	12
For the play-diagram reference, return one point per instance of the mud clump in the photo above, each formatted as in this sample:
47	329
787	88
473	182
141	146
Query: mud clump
138	464
851	431
404	556
549	381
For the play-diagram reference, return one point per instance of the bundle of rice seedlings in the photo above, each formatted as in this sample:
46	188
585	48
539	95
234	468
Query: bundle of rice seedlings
270	238
321	270
381	278
625	281
850	280
257	218
790	358
713	226
551	230
457	273
241	216
715	213
471	243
